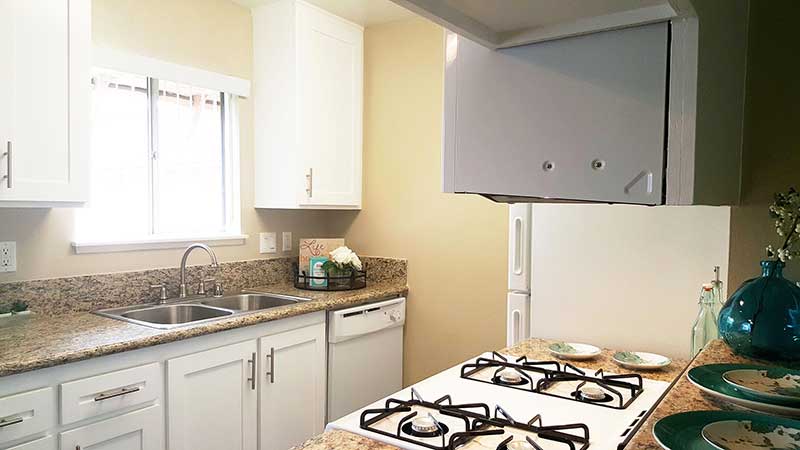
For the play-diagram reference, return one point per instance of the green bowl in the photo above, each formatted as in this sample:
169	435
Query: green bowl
684	431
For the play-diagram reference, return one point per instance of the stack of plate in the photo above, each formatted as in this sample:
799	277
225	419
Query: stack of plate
771	390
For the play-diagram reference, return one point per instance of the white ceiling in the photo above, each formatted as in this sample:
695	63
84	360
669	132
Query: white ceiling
362	12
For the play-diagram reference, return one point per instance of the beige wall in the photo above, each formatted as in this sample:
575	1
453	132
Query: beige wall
772	134
455	245
214	35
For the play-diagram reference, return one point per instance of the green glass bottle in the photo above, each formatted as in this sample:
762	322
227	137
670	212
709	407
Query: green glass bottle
705	327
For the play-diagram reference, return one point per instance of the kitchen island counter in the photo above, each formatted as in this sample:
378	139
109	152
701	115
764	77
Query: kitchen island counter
685	396
534	349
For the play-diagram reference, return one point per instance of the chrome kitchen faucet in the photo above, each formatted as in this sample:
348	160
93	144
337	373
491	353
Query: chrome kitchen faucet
214	264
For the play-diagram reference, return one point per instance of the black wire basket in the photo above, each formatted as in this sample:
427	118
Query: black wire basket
357	279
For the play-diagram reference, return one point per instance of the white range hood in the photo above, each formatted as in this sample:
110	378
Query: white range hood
610	101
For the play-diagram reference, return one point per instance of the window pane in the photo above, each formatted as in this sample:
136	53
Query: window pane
119	198
189	165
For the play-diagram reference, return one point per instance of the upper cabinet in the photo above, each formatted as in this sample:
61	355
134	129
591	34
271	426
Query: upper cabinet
594	103
308	91
44	102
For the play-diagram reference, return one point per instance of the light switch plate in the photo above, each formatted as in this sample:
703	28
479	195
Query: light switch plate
287	241
8	256
267	242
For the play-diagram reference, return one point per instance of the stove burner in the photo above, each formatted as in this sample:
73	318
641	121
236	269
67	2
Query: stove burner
591	395
517	445
424	427
509	377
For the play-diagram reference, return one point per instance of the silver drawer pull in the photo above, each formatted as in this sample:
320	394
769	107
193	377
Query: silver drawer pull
252	379
112	394
8	162
10	421
271	357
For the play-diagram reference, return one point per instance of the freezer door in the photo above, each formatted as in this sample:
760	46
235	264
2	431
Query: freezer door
519	254
517	323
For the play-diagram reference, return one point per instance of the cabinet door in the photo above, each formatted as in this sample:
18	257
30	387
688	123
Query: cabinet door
44	61
292	398
138	430
212	399
330	54
45	443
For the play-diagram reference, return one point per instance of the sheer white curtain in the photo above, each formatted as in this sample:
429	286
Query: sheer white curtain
119	200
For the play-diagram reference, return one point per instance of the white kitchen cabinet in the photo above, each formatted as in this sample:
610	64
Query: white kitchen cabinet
308	96
44	101
293	387
212	401
138	430
45	443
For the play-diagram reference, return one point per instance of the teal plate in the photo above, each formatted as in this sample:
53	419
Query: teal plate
709	379
684	431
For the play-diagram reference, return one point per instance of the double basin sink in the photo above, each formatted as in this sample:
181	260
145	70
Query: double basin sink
198	310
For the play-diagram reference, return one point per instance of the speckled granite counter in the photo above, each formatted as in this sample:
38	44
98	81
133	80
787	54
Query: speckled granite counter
684	396
533	349
37	341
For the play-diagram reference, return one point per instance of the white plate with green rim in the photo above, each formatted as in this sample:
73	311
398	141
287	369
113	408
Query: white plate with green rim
641	360
751	435
573	350
767	383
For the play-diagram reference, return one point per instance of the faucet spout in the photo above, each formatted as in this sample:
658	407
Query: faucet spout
189	249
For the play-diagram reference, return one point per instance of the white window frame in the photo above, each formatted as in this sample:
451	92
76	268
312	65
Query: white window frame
231	87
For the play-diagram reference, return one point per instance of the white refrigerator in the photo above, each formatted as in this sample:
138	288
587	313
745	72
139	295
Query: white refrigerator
619	276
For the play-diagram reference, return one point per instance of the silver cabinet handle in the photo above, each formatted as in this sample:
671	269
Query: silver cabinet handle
8	162
271	357
115	393
10	421
310	182
252	378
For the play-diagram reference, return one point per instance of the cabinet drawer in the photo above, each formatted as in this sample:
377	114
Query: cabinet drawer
137	430
88	397
27	413
45	443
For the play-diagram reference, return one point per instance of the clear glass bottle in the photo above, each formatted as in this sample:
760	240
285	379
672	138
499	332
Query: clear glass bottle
705	327
719	300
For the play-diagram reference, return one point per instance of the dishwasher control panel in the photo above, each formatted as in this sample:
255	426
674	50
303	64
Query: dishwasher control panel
370	318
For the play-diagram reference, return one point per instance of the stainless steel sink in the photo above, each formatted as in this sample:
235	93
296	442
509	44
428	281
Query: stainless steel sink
175	314
251	302
191	311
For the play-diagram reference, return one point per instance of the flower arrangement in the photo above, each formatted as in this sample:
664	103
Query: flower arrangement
342	259
786	212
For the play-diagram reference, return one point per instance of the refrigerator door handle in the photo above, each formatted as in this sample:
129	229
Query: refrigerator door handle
516	256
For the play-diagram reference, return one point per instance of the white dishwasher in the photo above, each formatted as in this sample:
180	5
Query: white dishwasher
365	355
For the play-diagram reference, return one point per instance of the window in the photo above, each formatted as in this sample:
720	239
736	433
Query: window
164	162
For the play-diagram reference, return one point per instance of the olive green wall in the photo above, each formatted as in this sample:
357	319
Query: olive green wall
772	133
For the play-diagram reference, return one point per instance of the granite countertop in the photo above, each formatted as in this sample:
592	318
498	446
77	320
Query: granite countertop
31	342
533	349
684	396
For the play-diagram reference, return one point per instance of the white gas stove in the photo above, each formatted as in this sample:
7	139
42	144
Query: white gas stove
500	402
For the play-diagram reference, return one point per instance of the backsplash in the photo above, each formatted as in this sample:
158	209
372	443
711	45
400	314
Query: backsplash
57	296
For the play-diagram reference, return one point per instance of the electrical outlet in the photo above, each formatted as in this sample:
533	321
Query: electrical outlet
287	241
8	256
267	242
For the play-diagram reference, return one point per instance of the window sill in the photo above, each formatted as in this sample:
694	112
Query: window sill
156	243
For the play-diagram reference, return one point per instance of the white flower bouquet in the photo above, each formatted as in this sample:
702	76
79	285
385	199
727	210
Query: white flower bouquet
342	261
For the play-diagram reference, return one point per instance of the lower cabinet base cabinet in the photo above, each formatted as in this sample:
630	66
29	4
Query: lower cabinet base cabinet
45	443
212	399
138	430
293	387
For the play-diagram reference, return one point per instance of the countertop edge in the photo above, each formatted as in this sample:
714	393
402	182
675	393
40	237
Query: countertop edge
343	299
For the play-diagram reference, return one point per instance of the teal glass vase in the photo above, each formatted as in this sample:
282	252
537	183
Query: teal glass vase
762	318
